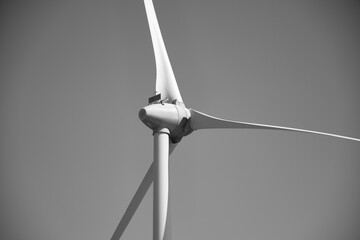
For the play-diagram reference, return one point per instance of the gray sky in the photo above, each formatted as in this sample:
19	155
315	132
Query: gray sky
74	75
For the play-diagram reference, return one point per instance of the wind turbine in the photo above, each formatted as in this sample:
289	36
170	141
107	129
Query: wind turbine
170	121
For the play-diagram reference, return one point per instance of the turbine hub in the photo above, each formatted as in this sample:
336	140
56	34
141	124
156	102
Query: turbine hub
166	115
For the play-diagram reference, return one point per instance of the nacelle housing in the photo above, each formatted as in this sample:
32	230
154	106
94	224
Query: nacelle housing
166	115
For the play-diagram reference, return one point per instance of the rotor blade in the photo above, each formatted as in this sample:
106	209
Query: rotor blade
136	200
165	78
134	204
201	120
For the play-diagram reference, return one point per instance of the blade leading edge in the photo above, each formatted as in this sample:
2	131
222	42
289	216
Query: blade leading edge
165	78
201	120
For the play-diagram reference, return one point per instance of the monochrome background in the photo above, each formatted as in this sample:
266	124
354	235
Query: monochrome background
74	75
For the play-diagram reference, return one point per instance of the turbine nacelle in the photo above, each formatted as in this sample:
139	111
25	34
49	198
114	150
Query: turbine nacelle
176	118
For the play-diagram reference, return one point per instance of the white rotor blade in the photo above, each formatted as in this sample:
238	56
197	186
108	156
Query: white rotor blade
136	200
165	78
134	204
201	120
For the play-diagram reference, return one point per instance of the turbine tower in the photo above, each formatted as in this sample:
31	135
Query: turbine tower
170	120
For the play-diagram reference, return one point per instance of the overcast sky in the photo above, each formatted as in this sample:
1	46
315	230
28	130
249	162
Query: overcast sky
74	75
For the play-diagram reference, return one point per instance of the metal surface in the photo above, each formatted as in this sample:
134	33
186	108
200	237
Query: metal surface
161	183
